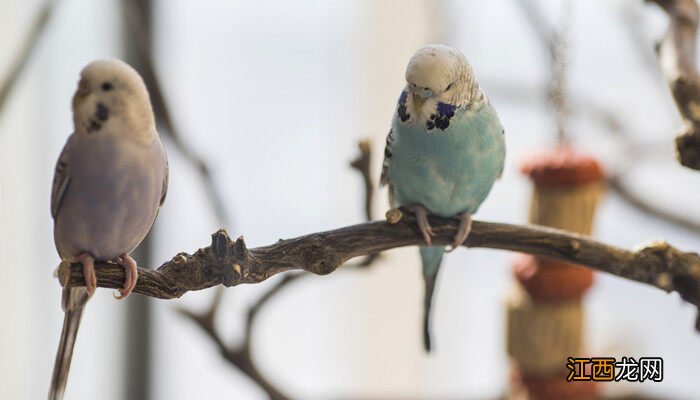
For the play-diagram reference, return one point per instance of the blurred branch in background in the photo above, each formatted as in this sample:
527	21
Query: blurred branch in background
633	20
555	40
648	207
20	62
163	115
677	58
559	66
240	355
550	39
138	25
635	151
138	329
363	164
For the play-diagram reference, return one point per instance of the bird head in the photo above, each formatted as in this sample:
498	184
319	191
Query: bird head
441	73
112	92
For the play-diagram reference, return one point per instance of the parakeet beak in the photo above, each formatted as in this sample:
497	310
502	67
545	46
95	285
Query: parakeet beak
418	101
420	96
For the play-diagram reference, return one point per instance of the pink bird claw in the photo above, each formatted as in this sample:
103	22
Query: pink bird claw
131	274
465	227
423	224
89	272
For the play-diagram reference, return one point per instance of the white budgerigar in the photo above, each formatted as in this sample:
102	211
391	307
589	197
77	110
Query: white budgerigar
109	182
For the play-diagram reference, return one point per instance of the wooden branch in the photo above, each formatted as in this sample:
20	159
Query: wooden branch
676	54
240	355
20	62
231	263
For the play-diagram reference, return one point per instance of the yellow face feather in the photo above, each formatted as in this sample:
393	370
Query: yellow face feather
418	102
112	94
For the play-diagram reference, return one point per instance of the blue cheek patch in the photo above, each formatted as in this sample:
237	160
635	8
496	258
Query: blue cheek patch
441	119
403	114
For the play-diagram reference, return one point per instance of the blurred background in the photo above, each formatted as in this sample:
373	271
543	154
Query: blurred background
274	95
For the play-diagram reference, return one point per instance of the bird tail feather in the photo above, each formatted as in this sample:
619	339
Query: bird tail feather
431	258
73	301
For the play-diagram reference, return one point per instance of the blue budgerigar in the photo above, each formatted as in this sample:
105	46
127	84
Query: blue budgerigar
444	151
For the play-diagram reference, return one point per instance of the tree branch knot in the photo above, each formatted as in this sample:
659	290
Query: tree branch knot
393	216
681	270
320	259
230	257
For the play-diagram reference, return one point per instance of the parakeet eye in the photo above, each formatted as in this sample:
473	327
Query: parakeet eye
107	86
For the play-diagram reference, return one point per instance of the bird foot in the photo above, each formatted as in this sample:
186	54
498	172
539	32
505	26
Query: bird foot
423	225
88	272
131	274
465	227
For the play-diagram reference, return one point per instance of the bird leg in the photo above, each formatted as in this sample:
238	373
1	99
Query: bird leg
465	227
131	275
423	224
88	272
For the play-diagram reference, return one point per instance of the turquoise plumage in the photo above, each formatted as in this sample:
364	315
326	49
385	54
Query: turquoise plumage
444	151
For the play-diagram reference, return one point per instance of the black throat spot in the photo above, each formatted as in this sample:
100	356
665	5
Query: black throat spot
93	126
101	115
403	113
441	119
101	112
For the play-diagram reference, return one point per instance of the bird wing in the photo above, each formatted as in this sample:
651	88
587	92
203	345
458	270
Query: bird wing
500	173
388	153
61	178
166	176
